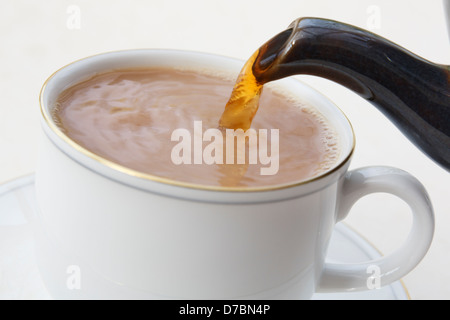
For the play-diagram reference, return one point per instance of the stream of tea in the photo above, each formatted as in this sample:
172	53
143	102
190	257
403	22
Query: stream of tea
244	101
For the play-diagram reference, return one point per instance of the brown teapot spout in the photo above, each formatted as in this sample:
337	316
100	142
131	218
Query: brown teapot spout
412	92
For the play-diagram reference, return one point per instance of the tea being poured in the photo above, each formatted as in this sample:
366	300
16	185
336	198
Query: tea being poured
412	92
244	101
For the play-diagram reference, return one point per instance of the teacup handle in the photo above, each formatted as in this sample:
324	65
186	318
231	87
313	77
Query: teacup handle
359	183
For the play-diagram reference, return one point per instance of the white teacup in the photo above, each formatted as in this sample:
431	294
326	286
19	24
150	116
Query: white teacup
126	234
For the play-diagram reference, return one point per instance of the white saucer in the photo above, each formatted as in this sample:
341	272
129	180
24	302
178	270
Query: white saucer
20	278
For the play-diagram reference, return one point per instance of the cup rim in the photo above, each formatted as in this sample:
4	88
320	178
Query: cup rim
49	122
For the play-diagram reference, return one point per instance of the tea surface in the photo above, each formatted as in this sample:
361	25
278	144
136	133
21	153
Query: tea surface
129	117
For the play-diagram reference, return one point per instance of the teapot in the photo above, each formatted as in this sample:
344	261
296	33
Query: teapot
410	91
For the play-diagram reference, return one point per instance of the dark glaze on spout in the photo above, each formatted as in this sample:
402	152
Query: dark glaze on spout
412	92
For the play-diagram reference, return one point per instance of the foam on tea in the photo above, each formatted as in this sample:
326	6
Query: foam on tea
129	117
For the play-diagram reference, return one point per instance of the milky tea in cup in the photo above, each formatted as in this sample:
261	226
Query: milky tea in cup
164	122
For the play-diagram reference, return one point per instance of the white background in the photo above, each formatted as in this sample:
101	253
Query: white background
39	37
